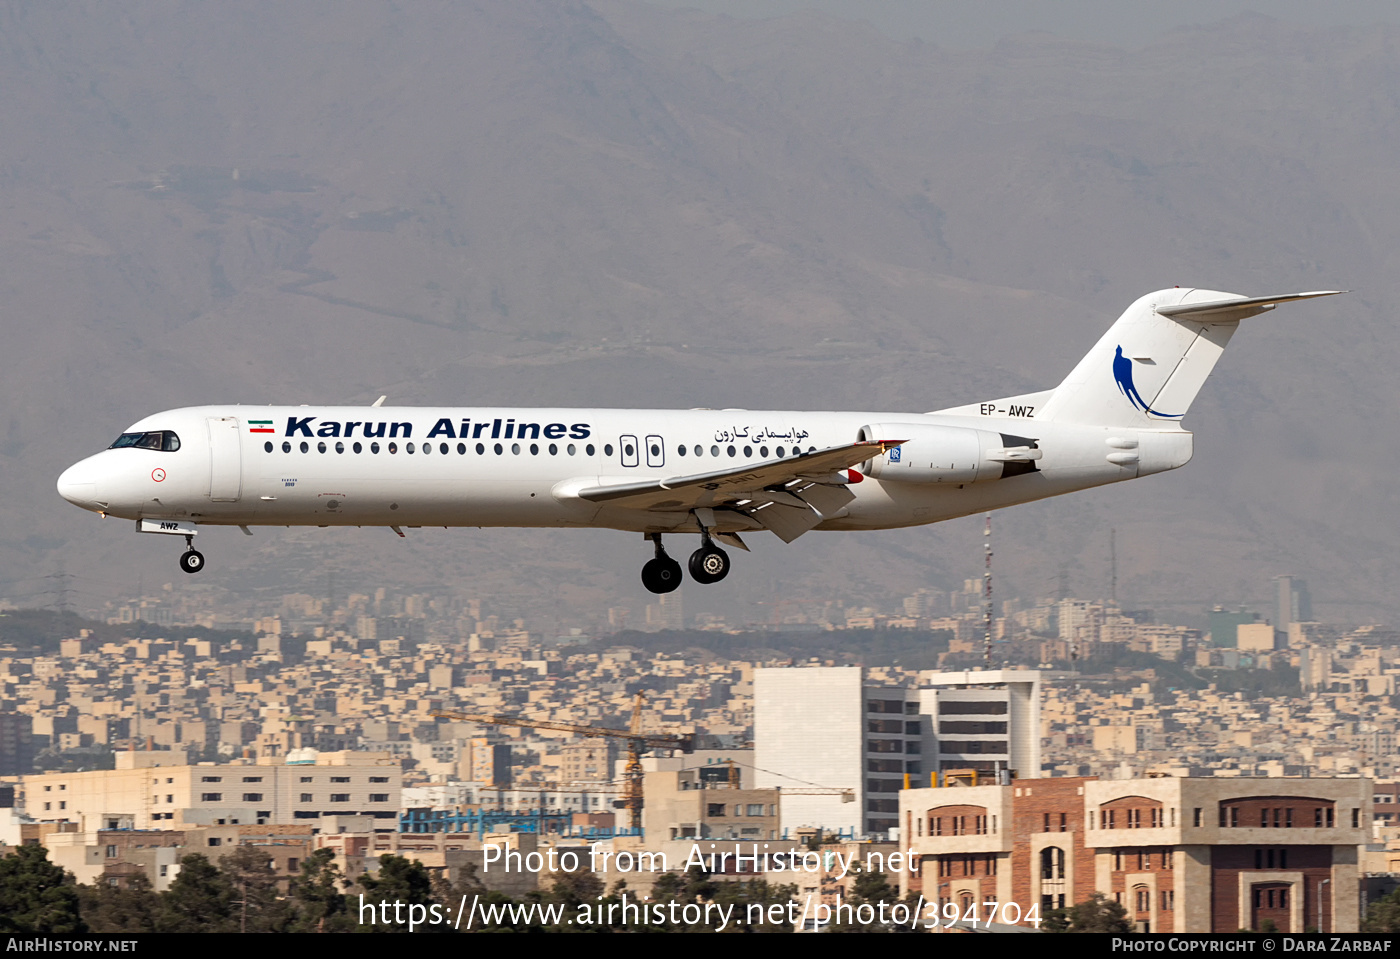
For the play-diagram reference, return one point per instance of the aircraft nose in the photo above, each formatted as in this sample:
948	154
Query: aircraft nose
78	485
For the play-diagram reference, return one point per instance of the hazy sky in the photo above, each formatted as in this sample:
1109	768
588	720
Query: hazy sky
980	23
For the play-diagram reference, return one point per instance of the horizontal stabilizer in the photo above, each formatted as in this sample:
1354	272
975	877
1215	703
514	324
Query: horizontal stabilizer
1244	306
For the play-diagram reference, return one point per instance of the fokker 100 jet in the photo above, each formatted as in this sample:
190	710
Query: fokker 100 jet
718	474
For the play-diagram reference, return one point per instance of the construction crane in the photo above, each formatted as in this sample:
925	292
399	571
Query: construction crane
846	793
636	742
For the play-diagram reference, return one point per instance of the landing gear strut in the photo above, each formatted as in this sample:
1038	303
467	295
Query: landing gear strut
709	563
193	560
661	574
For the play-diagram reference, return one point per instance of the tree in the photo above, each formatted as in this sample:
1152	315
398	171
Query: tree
1098	913
400	880
36	895
200	899
1383	915
872	889
696	886
258	906
318	895
130	907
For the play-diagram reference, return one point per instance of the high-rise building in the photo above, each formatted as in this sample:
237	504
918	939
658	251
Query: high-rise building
826	728
1292	604
16	744
1224	625
984	720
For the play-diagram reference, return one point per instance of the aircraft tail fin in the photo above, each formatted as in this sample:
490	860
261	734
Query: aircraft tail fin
1149	366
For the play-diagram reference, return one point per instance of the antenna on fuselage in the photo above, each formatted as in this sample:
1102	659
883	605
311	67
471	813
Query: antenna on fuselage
380	401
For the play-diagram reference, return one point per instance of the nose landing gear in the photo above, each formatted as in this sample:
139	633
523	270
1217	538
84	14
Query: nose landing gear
661	574
192	561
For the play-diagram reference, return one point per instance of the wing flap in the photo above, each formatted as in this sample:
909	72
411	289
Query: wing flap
786	522
788	496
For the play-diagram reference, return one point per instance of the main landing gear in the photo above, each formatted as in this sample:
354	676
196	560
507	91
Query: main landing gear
708	564
661	574
192	561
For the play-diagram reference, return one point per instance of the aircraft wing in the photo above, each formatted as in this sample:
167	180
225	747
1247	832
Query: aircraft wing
788	496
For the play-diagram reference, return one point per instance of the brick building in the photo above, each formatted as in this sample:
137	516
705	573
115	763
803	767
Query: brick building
1181	855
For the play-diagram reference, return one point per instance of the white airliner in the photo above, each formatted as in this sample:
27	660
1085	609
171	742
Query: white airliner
715	473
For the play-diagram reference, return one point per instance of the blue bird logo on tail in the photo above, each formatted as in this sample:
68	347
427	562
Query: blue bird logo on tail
1123	376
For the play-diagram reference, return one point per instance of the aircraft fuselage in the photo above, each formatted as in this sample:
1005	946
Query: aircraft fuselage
382	466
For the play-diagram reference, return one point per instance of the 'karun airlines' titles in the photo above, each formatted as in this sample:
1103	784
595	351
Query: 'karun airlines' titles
717	475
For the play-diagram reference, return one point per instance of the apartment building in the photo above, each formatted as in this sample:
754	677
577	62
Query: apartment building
144	795
1181	855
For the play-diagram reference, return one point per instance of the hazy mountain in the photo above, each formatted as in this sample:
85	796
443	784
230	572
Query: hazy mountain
613	204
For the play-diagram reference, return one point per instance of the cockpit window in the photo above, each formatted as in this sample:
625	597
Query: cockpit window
164	440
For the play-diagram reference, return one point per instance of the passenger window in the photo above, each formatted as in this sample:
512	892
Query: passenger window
374	447
357	447
268	446
407	448
393	447
286	446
